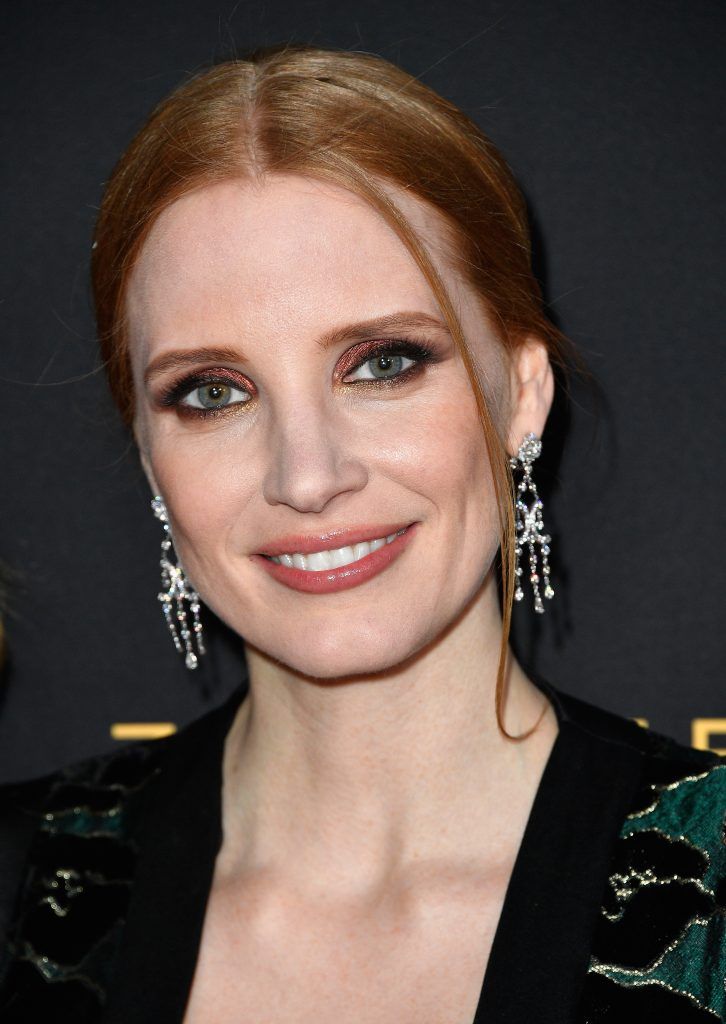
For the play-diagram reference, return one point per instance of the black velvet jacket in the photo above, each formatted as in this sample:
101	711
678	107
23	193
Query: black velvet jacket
615	911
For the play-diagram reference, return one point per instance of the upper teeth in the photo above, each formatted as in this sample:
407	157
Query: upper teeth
318	561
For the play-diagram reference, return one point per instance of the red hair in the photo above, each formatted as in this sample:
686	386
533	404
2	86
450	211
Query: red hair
359	121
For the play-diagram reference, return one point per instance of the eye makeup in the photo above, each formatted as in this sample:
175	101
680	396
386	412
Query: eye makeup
368	351
417	353
172	396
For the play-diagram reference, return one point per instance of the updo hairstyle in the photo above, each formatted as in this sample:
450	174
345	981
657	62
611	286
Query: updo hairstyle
360	122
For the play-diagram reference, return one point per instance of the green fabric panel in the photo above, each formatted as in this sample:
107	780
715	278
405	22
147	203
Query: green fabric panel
693	809
695	967
81	821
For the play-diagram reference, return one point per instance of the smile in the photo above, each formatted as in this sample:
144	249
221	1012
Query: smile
334	558
328	570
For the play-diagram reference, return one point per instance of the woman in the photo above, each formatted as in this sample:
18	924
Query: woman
318	317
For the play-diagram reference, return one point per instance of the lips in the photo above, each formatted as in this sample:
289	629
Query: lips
305	545
345	577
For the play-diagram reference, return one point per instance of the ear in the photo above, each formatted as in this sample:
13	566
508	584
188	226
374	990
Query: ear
532	388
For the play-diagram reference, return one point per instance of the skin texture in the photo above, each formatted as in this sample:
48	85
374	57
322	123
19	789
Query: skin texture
366	761
243	269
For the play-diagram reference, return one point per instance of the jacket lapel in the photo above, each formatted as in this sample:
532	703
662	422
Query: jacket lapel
179	836
542	945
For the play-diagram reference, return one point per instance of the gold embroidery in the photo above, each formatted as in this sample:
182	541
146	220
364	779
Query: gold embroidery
597	968
666	787
629	880
63	884
680	840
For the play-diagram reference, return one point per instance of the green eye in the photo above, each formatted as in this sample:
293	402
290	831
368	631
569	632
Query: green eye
211	396
384	366
215	395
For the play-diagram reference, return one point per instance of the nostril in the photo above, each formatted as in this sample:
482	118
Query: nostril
308	478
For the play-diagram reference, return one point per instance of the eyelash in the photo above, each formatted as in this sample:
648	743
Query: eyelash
365	353
420	353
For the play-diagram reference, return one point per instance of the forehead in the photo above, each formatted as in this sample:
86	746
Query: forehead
290	250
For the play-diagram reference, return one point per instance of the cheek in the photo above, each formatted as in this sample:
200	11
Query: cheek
210	484
439	450
425	457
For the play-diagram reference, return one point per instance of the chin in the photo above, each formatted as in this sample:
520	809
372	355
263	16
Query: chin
341	654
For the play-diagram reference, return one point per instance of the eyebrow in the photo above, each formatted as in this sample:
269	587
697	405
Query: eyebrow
382	324
336	336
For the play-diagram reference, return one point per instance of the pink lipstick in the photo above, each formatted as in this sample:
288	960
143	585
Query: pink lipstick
326	580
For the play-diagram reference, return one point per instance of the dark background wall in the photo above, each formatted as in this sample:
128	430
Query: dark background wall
610	113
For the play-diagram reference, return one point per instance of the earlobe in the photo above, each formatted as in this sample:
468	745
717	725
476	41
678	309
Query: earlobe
532	390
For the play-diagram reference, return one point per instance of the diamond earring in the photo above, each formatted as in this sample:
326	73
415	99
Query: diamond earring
529	526
175	588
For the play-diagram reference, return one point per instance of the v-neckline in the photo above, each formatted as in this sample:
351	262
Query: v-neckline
541	945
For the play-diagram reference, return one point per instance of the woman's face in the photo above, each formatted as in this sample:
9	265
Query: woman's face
298	393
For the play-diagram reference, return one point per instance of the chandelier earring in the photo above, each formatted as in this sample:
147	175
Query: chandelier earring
175	591
529	526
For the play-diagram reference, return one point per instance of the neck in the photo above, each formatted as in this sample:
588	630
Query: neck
361	777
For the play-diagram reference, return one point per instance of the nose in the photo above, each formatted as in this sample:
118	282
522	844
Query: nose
311	462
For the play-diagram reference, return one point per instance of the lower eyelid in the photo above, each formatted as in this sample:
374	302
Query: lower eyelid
185	411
